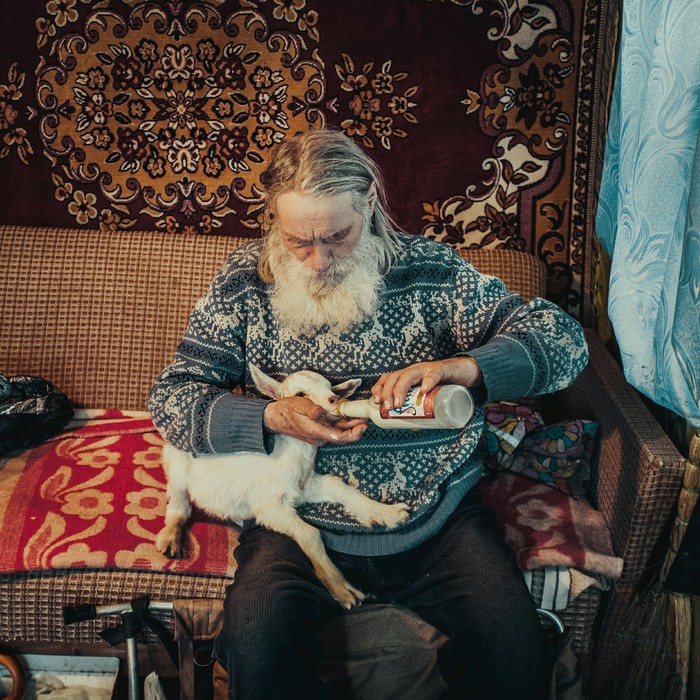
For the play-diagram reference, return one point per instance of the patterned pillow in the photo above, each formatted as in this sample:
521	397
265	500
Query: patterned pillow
516	439
93	497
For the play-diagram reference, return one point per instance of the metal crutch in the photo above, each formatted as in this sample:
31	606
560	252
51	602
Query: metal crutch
553	618
134	615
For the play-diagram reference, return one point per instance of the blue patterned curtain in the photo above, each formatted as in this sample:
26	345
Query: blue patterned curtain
649	210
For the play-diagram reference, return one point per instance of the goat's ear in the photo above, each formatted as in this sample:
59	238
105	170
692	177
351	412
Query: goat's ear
267	385
346	388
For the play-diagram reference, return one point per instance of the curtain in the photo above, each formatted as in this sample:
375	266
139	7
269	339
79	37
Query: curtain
649	209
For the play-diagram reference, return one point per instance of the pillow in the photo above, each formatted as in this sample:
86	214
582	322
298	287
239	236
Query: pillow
505	426
561	453
547	528
515	439
93	497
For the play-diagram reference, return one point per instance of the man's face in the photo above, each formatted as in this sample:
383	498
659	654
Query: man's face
319	231
324	261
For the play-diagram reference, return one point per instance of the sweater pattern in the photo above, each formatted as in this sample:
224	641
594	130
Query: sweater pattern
432	305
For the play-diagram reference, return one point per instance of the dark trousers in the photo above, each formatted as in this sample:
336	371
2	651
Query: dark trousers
464	581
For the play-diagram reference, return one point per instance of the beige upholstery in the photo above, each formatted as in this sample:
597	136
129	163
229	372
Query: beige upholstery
88	310
99	314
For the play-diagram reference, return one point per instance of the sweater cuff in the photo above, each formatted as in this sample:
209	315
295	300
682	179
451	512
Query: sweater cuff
235	424
506	367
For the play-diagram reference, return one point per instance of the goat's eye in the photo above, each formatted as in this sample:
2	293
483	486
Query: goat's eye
300	393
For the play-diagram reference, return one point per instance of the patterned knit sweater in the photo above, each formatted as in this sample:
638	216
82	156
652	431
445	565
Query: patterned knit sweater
433	305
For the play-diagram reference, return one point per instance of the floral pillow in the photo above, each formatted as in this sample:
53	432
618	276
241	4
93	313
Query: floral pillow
516	439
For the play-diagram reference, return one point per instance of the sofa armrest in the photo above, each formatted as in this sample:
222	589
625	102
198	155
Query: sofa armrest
639	471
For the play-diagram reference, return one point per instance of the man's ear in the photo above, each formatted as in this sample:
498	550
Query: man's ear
266	385
372	198
346	388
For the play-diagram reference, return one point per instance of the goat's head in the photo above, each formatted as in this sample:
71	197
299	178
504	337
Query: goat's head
305	383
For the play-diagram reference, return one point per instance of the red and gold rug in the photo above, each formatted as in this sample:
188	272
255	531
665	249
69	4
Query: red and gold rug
94	497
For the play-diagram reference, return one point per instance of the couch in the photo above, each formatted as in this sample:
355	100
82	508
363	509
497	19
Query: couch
99	313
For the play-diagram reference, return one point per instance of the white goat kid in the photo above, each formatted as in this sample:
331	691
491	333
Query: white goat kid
245	485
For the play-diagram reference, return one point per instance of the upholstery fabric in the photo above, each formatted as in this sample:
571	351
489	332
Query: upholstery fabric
88	326
485	115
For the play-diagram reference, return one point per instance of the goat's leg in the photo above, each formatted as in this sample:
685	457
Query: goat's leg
325	488
284	519
168	540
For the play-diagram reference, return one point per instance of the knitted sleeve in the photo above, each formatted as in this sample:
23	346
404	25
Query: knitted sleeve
523	349
192	400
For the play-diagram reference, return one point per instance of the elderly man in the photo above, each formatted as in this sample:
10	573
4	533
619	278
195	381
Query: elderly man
334	287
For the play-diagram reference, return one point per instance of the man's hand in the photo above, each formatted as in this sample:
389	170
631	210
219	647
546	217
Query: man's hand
391	388
301	418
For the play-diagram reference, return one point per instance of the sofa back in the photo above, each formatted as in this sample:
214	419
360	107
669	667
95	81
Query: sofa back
99	314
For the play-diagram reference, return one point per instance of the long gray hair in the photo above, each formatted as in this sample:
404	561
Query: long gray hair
324	162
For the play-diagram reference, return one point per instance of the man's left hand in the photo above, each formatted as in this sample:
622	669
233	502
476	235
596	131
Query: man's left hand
391	388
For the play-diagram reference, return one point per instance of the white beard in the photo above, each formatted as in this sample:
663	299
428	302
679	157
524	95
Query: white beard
304	301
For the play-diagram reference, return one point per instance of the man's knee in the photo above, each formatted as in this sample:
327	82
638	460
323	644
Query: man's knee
254	621
472	661
268	643
275	600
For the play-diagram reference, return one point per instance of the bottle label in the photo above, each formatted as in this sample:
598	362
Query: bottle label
416	405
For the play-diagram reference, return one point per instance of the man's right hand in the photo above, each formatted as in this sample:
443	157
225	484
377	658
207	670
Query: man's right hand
301	418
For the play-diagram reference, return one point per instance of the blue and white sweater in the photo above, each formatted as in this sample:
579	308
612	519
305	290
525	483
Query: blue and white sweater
433	305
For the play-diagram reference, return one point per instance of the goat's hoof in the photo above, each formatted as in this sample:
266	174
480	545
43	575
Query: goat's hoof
347	595
389	515
168	546
396	514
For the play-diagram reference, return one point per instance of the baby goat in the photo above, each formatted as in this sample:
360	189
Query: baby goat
267	488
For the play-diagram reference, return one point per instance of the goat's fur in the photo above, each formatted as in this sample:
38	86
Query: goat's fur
268	488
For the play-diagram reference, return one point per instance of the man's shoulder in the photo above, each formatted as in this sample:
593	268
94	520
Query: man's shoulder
417	251
416	245
245	255
242	262
240	270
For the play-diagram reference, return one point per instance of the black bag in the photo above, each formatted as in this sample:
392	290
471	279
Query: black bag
31	410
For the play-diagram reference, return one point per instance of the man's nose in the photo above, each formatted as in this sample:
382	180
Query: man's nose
319	260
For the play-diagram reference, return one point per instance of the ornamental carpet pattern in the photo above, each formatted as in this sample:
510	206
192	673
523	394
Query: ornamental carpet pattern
485	115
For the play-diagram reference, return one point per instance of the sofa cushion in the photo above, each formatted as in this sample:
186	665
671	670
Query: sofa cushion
94	496
560	454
